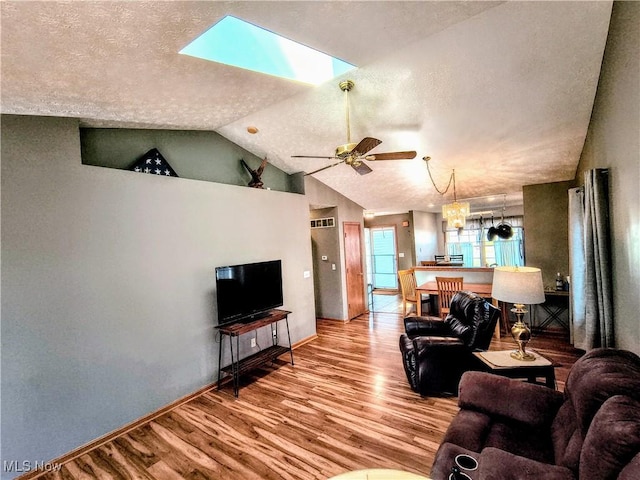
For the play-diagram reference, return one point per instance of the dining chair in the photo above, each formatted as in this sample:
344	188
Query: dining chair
447	288
456	258
407	279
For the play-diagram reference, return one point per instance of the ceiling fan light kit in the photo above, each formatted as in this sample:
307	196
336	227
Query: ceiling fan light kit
352	153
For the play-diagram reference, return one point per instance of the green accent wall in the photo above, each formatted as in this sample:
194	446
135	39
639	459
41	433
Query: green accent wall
546	229
198	155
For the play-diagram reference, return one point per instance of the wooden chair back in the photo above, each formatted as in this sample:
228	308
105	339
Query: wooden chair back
453	258
407	280
447	288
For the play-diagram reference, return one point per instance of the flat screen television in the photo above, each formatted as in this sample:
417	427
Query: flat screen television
247	290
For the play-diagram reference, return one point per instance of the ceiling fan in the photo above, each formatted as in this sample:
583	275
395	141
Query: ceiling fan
353	154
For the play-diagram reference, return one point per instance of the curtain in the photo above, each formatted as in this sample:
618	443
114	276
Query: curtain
464	248
577	327
508	252
593	298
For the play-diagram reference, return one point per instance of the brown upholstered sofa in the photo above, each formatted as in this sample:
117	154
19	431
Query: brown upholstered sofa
522	431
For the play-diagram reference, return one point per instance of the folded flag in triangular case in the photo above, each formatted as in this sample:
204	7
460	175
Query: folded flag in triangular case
154	163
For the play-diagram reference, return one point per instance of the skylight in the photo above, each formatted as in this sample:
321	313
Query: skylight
235	42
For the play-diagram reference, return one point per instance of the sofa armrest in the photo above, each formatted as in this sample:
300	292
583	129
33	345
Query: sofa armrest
495	464
439	364
632	470
494	395
433	343
426	326
449	351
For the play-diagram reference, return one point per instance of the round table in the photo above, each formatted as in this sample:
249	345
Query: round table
379	474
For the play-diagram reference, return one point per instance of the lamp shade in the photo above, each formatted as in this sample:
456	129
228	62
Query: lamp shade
518	285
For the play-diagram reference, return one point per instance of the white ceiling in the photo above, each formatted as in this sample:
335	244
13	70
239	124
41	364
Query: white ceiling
499	91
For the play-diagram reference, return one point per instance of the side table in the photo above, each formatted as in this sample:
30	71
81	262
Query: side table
500	363
555	308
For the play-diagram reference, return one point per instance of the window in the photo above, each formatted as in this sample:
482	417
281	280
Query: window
381	257
479	251
233	41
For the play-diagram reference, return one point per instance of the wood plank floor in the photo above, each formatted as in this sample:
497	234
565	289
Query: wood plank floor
345	405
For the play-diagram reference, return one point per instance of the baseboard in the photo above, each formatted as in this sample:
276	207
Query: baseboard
304	341
83	449
77	452
386	291
332	319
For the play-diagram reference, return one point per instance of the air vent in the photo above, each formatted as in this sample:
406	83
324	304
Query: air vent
328	222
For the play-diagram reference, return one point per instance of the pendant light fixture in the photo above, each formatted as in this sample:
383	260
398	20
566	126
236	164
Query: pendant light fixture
455	213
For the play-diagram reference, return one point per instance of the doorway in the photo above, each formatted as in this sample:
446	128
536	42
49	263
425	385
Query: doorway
382	260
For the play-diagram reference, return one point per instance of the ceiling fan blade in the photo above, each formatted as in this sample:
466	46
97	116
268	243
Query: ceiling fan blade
362	168
365	145
312	156
392	156
324	168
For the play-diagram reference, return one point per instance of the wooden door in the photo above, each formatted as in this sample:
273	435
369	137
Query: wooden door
354	270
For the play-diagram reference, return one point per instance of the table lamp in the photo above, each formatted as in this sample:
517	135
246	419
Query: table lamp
520	286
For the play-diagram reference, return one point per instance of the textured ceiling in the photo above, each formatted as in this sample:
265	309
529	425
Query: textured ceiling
499	91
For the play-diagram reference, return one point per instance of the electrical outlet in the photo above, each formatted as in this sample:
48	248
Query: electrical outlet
253	342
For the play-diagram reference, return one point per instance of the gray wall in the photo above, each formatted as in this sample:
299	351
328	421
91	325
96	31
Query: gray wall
320	196
326	242
108	305
613	142
546	229
425	235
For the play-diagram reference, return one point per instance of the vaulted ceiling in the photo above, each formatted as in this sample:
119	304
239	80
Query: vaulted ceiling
501	92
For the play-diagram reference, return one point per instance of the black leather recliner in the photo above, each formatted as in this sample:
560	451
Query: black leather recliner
436	352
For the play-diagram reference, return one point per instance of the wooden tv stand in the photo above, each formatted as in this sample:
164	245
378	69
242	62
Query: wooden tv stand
239	366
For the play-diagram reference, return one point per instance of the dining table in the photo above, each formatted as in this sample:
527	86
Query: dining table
431	288
482	289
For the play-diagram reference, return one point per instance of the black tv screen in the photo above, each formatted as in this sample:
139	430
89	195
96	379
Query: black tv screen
244	291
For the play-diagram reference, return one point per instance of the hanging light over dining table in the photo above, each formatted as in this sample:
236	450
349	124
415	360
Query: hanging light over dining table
455	213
